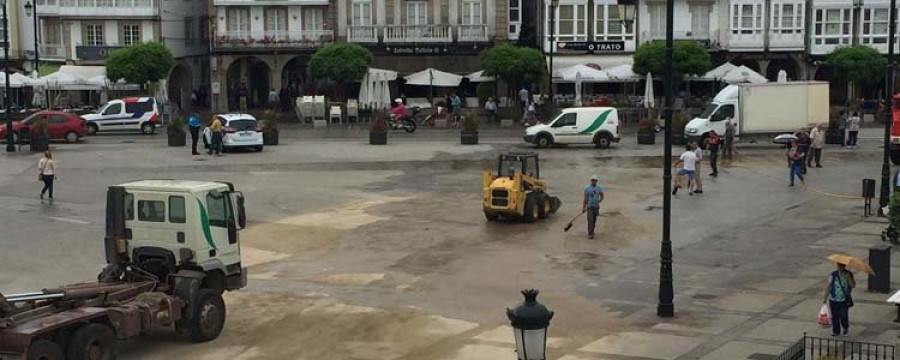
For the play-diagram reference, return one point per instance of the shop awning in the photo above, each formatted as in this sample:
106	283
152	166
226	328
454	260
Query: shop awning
717	73
579	73
621	73
743	74
478	76
76	77
16	80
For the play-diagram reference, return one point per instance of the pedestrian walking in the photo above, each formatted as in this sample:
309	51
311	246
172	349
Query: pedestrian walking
804	142
215	129
853	124
490	106
47	173
194	127
688	162
728	149
817	136
795	162
698	152
839	300
524	99
842	128
243	92
593	196
712	144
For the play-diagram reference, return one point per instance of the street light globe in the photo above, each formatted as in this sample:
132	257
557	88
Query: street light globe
529	321
627	9
28	8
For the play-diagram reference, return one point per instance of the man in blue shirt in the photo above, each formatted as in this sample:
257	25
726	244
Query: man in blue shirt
593	196
194	125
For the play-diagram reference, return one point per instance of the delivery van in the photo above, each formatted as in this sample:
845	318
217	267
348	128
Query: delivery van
586	125
126	114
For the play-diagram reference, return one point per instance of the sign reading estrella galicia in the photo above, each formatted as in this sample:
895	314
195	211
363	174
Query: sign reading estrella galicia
593	46
418	50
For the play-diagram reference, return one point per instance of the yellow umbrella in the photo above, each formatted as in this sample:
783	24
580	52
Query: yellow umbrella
852	262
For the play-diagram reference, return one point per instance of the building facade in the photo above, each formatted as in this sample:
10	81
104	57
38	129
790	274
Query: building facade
15	15
85	32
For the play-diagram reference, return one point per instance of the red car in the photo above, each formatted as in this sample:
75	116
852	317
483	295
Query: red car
60	125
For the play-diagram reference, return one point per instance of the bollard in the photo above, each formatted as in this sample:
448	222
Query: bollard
880	261
868	192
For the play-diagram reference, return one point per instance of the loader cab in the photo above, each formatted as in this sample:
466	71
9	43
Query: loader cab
511	164
169	225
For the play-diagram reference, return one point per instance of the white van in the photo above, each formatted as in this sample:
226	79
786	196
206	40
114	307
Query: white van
130	113
587	125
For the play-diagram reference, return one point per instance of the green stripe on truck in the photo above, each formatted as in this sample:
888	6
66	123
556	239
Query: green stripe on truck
204	221
598	122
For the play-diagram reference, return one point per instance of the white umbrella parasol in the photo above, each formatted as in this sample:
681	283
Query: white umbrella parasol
743	74
433	77
649	101
578	89
478	76
364	90
385	92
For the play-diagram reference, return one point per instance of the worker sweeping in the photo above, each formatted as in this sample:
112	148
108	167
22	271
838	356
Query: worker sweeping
593	196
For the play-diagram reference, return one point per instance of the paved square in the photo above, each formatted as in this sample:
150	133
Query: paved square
648	345
786	285
740	350
712	324
482	352
865	228
744	301
788	331
842	240
504	335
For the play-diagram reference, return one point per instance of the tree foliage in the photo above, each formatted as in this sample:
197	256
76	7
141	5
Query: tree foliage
140	63
859	63
513	64
689	58
340	62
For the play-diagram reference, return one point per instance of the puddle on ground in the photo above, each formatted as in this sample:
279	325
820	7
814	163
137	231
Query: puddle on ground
347	217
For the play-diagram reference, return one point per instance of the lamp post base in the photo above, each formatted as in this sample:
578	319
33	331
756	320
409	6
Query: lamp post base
665	310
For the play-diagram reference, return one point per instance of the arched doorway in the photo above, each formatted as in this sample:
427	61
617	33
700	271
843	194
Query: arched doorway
788	65
294	76
179	87
248	76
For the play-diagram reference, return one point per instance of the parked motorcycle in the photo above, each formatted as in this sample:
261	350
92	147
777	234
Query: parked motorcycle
407	124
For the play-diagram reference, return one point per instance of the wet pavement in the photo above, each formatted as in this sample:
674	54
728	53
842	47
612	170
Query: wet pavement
365	252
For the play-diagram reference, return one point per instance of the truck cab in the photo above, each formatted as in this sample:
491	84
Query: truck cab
725	105
172	225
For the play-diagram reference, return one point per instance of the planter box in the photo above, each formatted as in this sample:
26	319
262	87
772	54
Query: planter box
507	123
468	139
378	138
834	137
177	139
320	124
41	143
646	138
270	138
440	123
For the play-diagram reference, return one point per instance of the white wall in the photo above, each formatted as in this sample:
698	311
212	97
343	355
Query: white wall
257	22
172	13
25	30
74	35
111	32
295	24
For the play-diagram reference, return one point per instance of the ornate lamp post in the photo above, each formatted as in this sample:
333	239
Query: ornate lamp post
666	308
529	321
29	11
627	9
553	5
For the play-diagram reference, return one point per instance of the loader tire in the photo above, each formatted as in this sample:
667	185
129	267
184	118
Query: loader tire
531	208
545	206
44	350
208	316
491	216
93	342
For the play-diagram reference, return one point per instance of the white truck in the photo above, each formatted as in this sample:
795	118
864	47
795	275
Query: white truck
758	110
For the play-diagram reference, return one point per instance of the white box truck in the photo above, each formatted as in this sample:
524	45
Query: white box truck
762	110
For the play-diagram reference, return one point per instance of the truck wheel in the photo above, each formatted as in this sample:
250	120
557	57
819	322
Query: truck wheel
544	206
543	141
93	342
603	141
148	128
208	316
531	208
44	350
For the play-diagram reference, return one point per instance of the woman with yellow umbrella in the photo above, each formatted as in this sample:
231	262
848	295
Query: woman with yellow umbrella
838	291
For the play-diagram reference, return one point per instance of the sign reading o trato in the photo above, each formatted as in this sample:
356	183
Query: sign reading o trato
593	46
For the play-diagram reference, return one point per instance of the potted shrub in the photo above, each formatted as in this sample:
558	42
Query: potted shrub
270	129
646	134
378	131
679	120
175	130
39	139
468	135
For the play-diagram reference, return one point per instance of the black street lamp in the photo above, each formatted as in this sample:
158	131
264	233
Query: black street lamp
553	5
10	147
529	321
884	199
29	10
666	308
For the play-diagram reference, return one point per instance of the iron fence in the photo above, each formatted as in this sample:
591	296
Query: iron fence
814	348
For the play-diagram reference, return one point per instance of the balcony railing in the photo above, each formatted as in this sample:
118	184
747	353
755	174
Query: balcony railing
363	34
52	51
418	34
302	39
107	7
472	33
